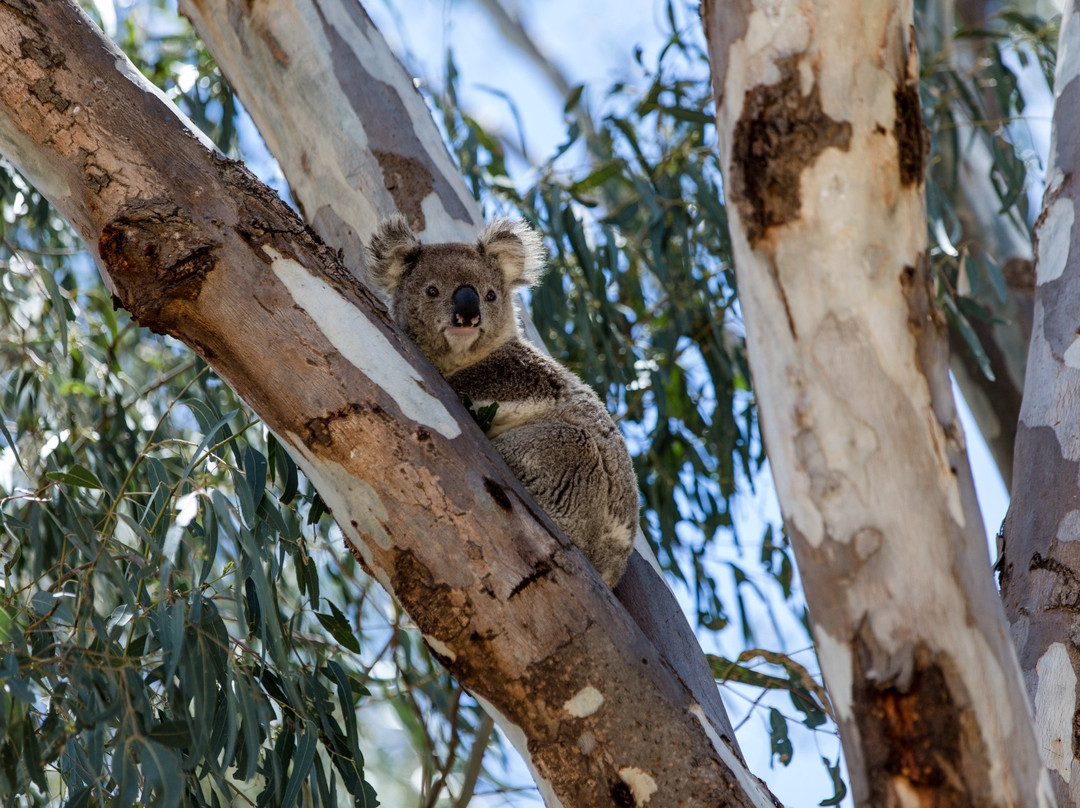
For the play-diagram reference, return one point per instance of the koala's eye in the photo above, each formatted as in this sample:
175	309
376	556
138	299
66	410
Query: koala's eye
490	296
432	291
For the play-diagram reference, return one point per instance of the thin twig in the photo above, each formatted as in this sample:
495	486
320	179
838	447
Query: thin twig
474	765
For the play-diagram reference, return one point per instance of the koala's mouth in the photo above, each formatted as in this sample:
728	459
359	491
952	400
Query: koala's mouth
461	338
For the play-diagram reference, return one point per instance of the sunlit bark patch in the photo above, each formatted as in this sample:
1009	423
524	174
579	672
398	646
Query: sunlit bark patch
584	703
642	785
363	344
1055	709
1054	234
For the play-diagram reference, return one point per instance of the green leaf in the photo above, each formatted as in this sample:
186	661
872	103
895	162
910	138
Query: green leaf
210	431
339	627
780	743
305	754
573	98
172	733
161	772
59	305
318	508
960	322
815	716
485	416
598	177
255	468
32	756
126	776
76	476
285	472
839	786
10	442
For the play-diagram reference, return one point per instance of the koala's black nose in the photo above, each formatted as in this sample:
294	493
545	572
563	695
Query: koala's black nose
466	307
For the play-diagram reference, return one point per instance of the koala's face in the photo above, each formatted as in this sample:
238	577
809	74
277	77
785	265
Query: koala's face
455	304
455	300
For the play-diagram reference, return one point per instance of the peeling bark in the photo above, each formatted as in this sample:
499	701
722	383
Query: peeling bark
200	250
1040	565
780	132
849	356
913	733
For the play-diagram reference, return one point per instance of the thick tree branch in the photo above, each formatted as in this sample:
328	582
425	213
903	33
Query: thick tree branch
195	247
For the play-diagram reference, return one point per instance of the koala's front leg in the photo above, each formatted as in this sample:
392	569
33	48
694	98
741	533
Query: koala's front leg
560	465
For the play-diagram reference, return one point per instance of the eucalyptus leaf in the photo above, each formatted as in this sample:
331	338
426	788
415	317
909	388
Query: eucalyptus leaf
76	476
338	626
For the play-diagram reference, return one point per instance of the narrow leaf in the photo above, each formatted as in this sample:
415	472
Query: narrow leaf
339	627
305	753
76	476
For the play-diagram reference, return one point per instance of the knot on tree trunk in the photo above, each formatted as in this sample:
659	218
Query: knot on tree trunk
156	255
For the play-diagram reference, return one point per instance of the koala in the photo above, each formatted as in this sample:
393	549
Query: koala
456	302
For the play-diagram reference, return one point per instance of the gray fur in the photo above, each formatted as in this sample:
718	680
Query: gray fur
550	428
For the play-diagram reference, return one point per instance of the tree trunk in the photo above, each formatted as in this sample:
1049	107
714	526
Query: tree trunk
823	152
1040	568
195	247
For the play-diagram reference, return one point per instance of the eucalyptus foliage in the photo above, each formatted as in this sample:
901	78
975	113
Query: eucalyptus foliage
179	623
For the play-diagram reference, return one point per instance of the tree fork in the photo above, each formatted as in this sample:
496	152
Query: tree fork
237	276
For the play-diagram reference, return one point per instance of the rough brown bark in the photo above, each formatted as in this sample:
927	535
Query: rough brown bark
1040	566
195	247
823	154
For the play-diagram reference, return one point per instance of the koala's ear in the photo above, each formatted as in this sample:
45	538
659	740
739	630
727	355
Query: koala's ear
392	250
517	249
